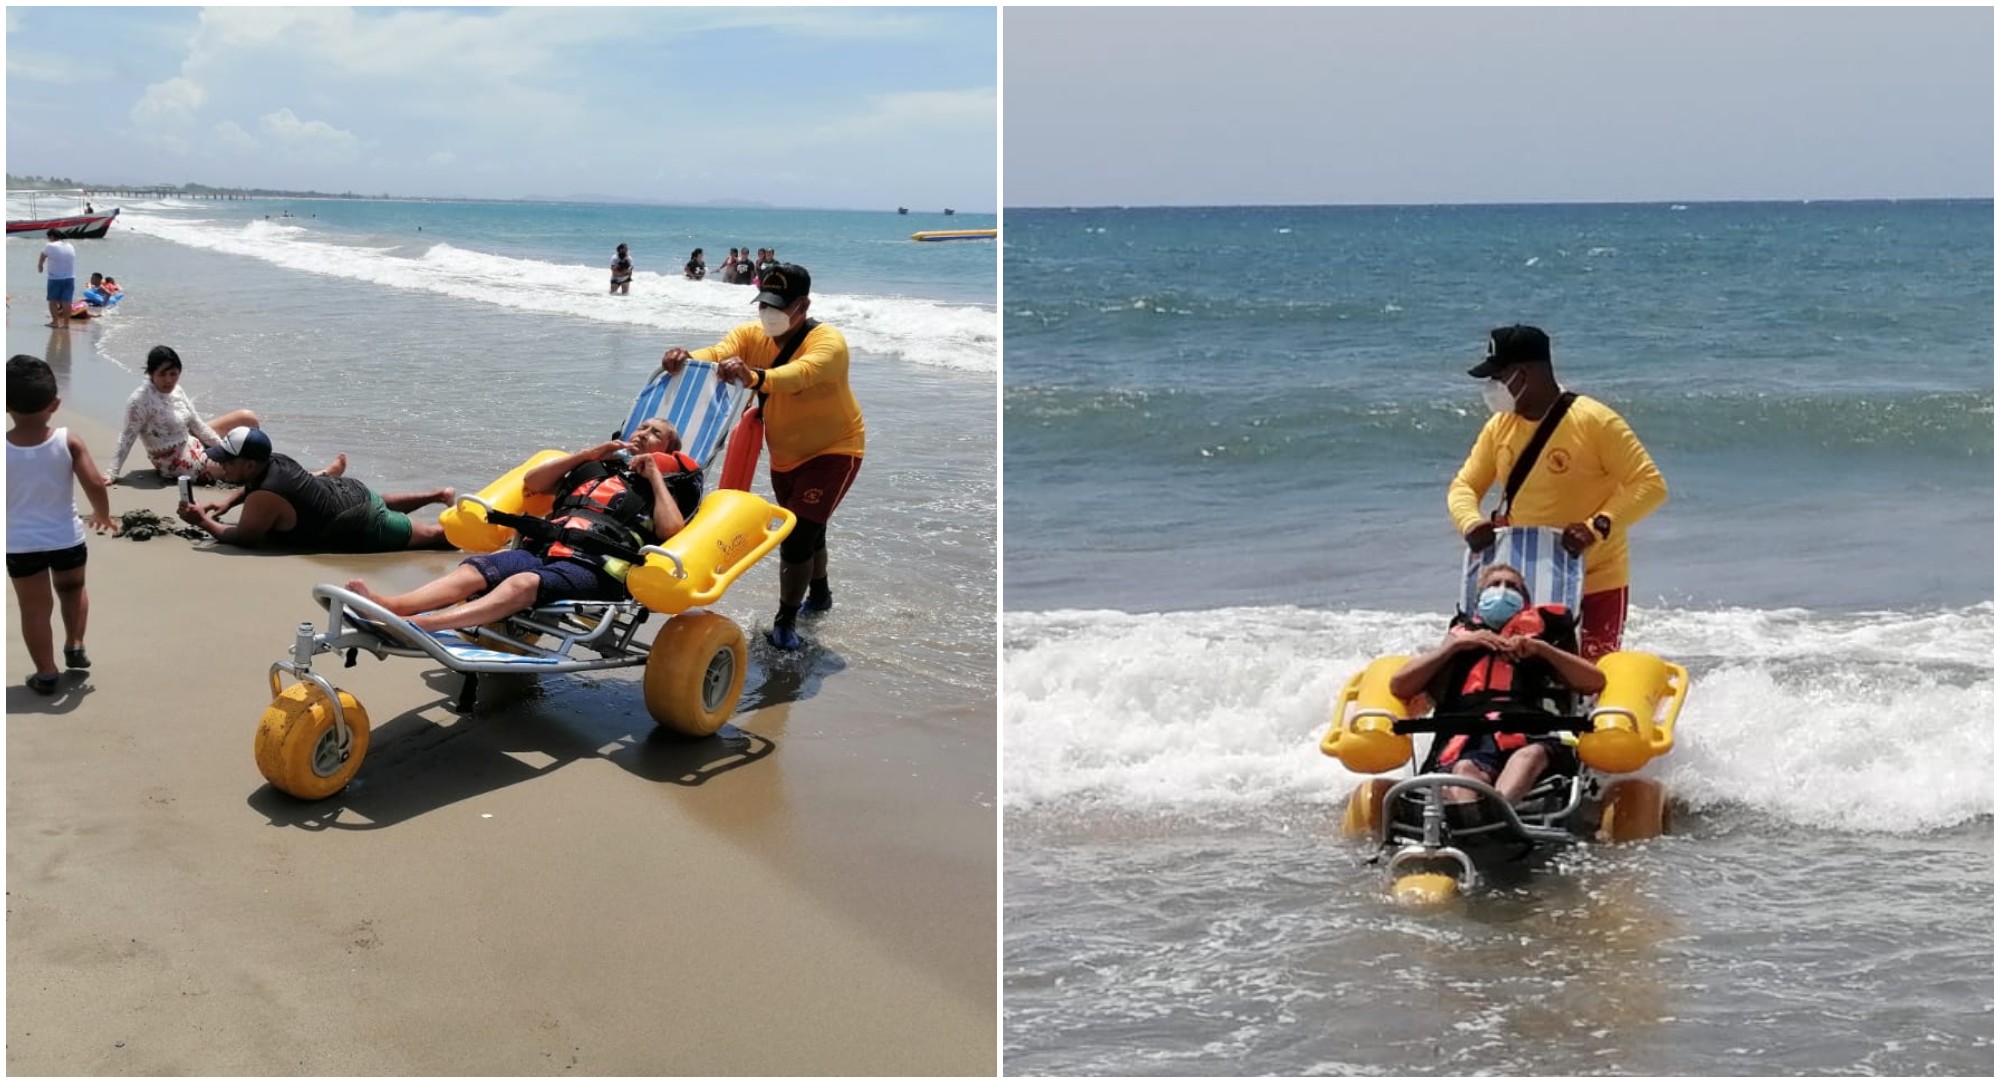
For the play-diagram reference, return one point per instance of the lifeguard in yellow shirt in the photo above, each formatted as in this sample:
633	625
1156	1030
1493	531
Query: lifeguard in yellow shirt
1593	479
812	427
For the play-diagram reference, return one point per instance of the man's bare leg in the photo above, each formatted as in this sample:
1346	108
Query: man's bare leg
515	593
407	502
428	536
457	585
1468	769
1518	774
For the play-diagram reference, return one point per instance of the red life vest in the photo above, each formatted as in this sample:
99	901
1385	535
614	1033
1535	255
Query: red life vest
610	500
1494	674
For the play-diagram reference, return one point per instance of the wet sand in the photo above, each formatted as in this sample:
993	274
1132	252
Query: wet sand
544	885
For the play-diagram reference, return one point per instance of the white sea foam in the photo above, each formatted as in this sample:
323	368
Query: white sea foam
1874	722
924	332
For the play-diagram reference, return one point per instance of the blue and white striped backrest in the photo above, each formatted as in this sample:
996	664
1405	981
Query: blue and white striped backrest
1554	576
702	407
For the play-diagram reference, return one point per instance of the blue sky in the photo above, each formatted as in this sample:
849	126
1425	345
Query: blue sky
1446	105
816	107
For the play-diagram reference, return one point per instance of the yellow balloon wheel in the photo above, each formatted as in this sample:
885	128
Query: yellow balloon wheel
694	674
1634	809
1425	889
300	750
1364	809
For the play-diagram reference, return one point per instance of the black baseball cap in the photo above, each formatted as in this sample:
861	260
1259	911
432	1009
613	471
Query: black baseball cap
1515	345
783	284
243	442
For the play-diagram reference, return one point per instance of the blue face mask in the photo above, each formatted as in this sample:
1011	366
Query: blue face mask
1498	604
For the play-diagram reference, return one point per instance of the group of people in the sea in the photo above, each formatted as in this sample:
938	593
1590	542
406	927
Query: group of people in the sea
631	492
739	267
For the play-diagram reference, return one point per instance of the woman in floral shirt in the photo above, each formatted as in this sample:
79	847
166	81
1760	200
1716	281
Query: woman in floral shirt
161	416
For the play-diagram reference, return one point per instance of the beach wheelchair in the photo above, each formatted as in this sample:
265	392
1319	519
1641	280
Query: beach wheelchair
1433	849
311	739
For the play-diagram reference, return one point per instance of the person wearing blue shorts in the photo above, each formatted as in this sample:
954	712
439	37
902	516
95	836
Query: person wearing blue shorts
597	493
58	259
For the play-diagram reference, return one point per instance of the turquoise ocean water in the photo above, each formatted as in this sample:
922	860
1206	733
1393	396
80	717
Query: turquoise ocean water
1228	433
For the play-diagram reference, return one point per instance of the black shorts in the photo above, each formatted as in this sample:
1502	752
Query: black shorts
22	565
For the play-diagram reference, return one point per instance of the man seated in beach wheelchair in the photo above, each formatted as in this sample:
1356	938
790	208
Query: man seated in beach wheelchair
1520	760
571	550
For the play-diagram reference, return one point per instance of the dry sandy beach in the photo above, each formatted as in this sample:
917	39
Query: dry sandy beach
542	886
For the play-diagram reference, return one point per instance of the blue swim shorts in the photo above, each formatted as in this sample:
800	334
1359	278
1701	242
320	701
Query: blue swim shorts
563	579
62	289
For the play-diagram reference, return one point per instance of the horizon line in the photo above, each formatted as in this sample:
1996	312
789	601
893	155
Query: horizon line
1666	202
334	197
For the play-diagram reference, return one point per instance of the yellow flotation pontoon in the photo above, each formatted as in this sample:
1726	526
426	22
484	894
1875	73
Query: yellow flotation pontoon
955	235
311	740
1436	848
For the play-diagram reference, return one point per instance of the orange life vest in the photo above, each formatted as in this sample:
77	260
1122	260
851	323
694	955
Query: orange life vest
610	500
1494	674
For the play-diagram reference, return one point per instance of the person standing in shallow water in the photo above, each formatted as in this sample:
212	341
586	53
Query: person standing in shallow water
812	427
1593	479
621	271
58	260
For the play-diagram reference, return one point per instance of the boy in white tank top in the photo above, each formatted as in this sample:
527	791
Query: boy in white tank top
45	548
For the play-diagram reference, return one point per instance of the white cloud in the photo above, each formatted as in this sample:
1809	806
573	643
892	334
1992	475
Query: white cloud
442	157
171	104
915	112
38	68
231	136
468	70
314	140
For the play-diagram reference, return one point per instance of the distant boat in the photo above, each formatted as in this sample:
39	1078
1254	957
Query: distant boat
80	227
956	235
902	210
948	210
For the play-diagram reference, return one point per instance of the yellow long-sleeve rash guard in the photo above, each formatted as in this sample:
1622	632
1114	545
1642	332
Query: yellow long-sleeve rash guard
1592	465
810	410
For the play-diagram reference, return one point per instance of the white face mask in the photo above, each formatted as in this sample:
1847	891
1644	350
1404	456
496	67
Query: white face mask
1499	398
776	321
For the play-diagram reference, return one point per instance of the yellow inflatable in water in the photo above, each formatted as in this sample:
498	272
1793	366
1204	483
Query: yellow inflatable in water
729	532
465	524
1362	736
1635	714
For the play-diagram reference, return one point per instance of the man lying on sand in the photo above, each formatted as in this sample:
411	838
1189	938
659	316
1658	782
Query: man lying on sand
599	494
284	506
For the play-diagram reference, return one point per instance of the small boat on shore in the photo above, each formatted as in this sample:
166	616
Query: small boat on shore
79	227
